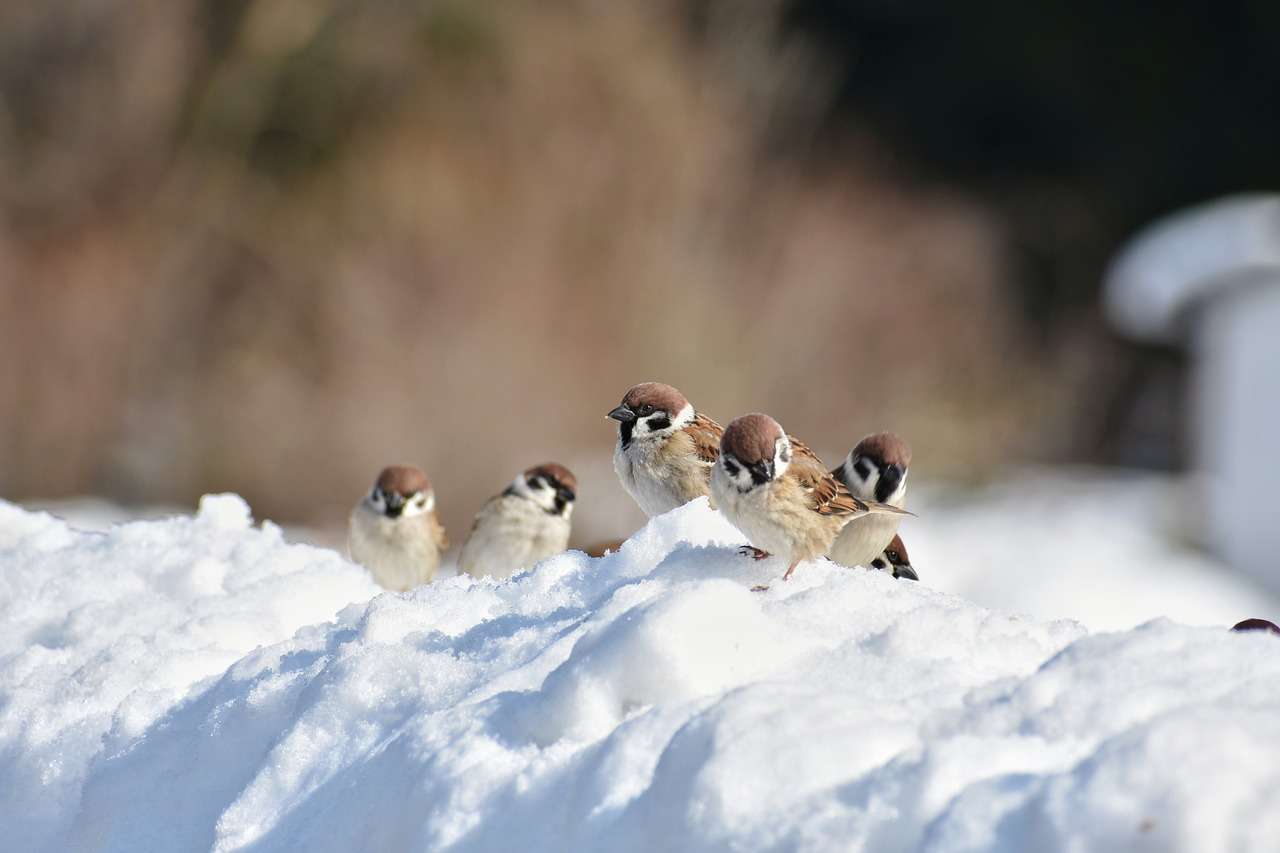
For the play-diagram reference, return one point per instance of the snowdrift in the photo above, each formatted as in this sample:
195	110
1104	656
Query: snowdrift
163	687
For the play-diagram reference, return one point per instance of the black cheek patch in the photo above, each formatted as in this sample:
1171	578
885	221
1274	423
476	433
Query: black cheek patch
877	563
731	468
658	422
863	467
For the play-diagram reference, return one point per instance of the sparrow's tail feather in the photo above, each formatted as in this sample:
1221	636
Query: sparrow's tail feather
877	508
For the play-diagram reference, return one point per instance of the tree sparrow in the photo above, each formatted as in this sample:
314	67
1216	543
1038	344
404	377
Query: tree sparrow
875	470
895	561
776	491
394	531
665	449
526	523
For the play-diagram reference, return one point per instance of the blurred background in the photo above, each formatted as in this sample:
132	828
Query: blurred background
268	246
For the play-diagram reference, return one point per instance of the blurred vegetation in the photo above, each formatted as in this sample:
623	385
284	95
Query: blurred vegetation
271	245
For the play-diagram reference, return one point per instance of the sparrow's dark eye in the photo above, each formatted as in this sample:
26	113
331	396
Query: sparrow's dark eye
892	555
644	411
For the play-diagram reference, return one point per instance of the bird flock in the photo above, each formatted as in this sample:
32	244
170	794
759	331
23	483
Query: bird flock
767	483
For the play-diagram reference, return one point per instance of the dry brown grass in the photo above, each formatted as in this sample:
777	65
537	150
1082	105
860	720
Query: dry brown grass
453	234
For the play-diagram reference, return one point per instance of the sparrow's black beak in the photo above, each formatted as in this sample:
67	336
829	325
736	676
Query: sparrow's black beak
395	505
890	479
565	494
622	414
761	472
905	572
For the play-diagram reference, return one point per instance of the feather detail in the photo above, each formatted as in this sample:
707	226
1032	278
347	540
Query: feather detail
438	534
705	434
827	495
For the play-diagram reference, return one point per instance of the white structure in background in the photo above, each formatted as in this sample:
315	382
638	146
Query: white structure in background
1211	277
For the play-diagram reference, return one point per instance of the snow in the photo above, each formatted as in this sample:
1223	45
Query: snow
185	684
101	634
1209	278
1110	550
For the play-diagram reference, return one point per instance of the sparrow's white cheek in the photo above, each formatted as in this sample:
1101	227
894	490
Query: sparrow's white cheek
684	416
545	496
641	428
419	505
735	472
861	477
781	457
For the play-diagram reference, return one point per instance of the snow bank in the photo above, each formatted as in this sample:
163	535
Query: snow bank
102	634
642	701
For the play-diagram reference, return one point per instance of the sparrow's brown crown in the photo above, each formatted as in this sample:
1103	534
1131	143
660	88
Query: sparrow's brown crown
656	394
556	474
885	448
897	552
403	480
751	438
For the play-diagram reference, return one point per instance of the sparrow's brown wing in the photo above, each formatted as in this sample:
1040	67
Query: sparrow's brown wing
827	495
706	438
442	538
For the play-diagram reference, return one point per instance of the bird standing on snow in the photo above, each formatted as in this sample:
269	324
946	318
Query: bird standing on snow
665	449
526	523
394	531
875	470
776	491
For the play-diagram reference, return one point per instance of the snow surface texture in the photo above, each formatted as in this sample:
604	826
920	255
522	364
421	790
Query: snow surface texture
642	701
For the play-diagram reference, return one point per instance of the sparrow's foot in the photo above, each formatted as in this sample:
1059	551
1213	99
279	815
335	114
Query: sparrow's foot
790	569
760	587
754	552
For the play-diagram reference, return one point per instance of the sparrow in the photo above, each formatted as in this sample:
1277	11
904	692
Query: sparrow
1257	625
665	449
776	490
394	531
894	560
875	470
527	522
